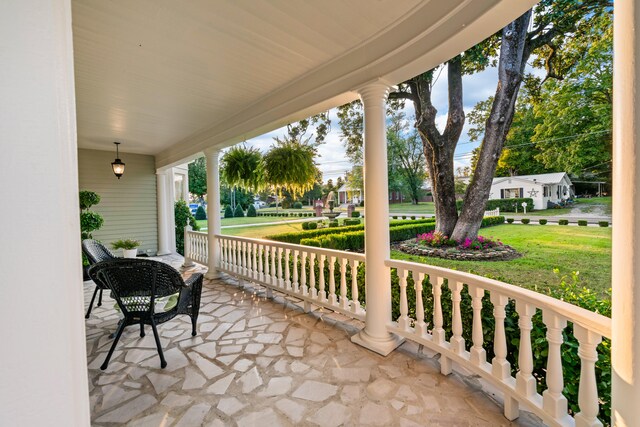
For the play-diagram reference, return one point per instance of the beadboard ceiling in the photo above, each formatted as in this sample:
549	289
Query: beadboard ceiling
171	78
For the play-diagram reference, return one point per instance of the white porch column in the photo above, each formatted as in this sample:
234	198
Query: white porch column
164	219
626	215
44	363
213	211
374	336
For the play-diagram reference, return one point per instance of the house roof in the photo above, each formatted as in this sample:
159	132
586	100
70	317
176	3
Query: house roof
543	178
171	79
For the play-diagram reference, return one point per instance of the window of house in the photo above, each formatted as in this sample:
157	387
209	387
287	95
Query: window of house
545	191
511	193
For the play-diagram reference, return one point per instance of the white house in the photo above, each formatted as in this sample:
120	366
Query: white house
542	188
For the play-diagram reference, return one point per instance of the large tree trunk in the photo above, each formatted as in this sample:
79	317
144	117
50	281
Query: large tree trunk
439	148
513	57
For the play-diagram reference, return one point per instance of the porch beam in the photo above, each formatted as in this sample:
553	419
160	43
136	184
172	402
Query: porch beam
213	211
625	350
375	336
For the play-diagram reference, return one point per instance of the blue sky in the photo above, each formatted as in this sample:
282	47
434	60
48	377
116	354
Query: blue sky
332	161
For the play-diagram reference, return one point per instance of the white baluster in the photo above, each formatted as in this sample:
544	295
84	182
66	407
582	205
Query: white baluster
525	382
260	263
254	261
403	320
312	275
344	301
588	391
287	269
478	355
438	330
280	278
457	342
303	274
421	326
355	304
234	256
323	293
553	401
296	285
501	367
274	277
332	281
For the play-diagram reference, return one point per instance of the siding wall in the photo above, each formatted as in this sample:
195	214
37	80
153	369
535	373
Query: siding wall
128	204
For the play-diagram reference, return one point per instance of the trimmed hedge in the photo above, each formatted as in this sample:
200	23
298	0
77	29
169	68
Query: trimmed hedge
510	220
563	222
354	240
312	225
505	205
603	223
251	211
297	205
354	221
238	213
201	213
228	212
542	221
582	222
525	220
355	214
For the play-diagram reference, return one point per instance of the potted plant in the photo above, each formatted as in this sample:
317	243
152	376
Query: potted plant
129	247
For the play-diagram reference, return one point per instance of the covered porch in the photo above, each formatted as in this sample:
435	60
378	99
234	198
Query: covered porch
314	354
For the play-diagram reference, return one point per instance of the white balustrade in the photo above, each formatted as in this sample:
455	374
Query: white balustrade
521	389
269	264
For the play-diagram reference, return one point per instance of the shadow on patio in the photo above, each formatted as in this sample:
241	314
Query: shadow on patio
257	361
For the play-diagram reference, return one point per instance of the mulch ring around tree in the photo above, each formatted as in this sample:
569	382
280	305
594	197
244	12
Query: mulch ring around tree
498	253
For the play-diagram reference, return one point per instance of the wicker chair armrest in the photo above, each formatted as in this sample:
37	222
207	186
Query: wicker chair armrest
189	302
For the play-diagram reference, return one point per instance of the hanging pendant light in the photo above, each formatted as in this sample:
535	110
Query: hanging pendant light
117	165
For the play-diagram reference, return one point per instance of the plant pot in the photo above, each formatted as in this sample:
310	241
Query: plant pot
130	253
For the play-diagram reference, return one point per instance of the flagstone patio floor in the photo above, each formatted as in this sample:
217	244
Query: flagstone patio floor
262	362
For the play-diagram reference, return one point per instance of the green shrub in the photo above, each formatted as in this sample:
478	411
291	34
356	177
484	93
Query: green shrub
312	225
492	220
510	220
88	199
563	222
395	217
582	222
201	213
404	217
305	226
348	222
603	223
413	217
228	212
542	221
297	205
334	223
89	222
355	214
251	211
238	213
311	242
505	205
183	217
525	220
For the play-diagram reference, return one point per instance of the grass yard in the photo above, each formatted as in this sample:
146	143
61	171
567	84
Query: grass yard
251	220
583	249
261	231
421	208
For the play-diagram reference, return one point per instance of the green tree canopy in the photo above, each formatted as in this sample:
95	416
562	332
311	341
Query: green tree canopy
198	178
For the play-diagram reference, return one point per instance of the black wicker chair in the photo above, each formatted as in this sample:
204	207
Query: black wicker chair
136	284
95	252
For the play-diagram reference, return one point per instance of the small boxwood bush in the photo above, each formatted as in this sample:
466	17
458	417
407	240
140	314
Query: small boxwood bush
395	217
404	217
510	220
542	221
228	212
349	222
603	223
305	226
492	220
334	223
311	242
201	213
413	217
505	205
582	222
312	225
238	213
563	222
355	214
525	220
251	211
297	205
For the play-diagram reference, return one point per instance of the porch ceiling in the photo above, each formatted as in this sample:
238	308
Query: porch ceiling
173	78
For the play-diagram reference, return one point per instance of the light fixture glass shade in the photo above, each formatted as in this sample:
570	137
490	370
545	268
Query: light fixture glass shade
118	168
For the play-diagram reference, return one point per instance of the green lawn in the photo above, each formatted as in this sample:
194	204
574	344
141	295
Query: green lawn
250	220
583	249
260	232
596	204
421	208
